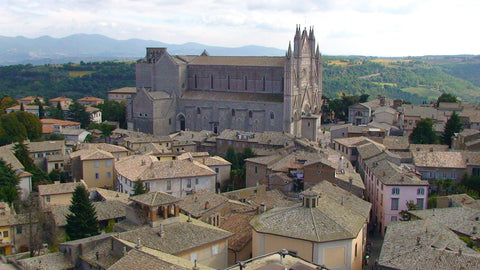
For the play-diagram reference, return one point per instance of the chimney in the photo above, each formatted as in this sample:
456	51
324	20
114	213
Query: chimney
161	233
189	218
262	208
143	162
283	253
207	205
139	243
459	252
195	267
124	251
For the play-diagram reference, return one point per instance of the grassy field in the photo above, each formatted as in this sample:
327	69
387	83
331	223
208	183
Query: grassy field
79	74
427	93
391	62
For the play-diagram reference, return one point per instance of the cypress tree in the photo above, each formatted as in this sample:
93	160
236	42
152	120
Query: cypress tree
82	222
139	188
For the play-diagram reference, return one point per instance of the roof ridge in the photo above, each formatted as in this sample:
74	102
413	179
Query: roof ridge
314	224
154	198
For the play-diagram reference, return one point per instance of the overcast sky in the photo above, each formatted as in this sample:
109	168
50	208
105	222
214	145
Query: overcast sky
342	27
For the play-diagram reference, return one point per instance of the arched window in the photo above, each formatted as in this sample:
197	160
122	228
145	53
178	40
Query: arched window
358	113
198	110
246	82
228	81
211	81
264	82
250	114
195	81
233	112
272	115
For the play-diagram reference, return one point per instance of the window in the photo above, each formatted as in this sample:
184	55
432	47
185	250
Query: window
256	169
476	172
215	250
228	82
169	121
394	203
5	234
356	249
233	112
195	81
217	170
96	164
97	175
19	229
47	198
394	219
199	111
211	81
272	115
108	163
109	175
246	82
196	181
56	166
250	114
193	257
420	191
264	82
420	203
169	184
396	191
189	183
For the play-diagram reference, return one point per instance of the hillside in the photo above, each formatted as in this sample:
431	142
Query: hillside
90	48
411	79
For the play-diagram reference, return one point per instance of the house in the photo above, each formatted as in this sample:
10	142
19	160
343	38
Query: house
359	114
440	165
320	230
260	197
63	101
386	115
95	114
90	101
29	100
467	139
57	193
172	232
122	94
94	166
6	231
218	164
136	140
240	140
116	150
425	244
191	141
56	162
348	147
40	150
51	261
33	109
388	187
50	125
229	215
75	135
176	177
25	178
411	114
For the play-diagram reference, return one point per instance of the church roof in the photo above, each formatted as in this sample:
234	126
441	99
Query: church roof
256	61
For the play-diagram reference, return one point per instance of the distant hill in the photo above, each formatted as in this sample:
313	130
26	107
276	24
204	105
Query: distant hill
86	47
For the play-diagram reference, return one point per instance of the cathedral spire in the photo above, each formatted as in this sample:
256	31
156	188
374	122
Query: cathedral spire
289	51
317	53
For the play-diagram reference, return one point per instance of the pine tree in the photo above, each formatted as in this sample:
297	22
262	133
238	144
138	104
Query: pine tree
8	183
453	125
139	188
22	154
82	222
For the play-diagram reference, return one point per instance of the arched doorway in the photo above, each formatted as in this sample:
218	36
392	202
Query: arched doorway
181	122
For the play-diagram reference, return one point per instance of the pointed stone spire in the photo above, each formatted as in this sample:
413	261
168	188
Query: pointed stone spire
289	51
317	53
205	53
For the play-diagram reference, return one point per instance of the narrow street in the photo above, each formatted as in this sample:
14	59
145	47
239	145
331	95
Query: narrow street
376	241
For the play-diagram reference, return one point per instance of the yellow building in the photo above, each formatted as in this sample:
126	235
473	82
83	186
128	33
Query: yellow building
6	240
320	230
57	193
94	166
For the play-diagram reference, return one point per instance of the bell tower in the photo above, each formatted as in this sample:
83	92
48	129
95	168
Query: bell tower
303	85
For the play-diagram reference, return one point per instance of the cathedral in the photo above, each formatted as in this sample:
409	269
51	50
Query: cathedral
203	92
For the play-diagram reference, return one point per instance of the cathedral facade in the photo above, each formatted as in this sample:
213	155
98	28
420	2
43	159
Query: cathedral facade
214	93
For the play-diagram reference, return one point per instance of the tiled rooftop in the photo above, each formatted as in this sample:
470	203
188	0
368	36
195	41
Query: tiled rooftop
61	188
329	221
439	159
51	261
105	210
391	174
425	245
91	154
155	198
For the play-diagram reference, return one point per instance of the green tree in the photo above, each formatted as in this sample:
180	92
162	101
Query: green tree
139	188
32	124
6	102
82	221
41	110
78	113
404	213
445	97
56	112
21	152
8	183
11	129
453	125
114	111
423	132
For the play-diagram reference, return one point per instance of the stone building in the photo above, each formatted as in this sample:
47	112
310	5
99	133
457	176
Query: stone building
219	92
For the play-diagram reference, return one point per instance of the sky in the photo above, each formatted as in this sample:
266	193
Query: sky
342	27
